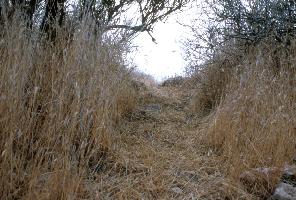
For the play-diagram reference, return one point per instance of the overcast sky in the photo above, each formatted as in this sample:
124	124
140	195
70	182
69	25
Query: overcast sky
163	59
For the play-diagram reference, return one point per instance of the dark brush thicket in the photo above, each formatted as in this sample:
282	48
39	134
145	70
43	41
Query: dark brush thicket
107	14
250	22
240	25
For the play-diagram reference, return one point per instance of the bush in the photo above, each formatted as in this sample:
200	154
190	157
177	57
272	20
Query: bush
173	81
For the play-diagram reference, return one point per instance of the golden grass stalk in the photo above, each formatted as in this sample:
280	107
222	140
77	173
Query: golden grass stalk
58	107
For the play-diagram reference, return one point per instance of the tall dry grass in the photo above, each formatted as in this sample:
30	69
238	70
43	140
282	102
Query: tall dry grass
210	79
254	124
59	106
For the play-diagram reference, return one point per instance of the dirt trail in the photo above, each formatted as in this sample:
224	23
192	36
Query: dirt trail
161	154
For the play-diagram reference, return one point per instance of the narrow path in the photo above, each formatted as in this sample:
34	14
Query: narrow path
162	153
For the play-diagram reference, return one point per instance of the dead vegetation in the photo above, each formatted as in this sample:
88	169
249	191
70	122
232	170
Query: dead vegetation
252	125
76	124
59	108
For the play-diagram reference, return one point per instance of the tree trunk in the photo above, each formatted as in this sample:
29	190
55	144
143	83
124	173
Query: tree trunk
53	17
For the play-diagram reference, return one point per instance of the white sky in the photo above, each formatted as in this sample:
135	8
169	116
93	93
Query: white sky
163	59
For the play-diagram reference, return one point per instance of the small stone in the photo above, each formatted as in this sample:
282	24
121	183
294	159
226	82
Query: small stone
290	171
177	190
152	107
284	191
289	175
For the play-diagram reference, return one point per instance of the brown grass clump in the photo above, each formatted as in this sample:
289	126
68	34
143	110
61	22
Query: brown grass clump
210	83
173	81
254	126
142	80
58	107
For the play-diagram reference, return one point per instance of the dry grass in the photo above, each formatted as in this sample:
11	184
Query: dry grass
74	124
169	159
59	106
143	79
210	83
71	127
254	125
